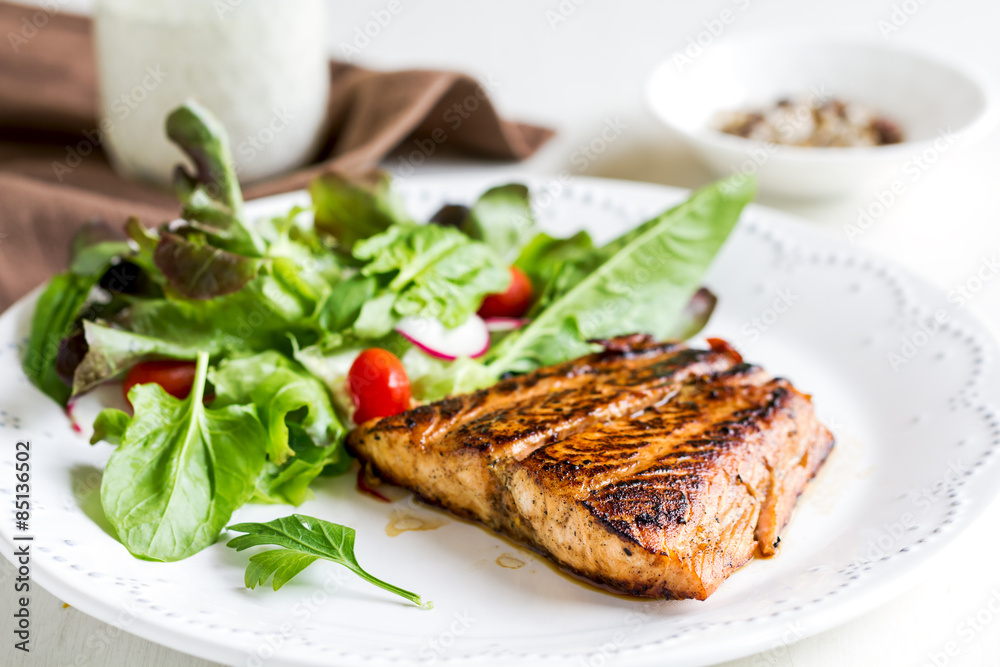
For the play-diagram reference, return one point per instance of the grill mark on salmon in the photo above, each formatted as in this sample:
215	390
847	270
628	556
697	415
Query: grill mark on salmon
653	469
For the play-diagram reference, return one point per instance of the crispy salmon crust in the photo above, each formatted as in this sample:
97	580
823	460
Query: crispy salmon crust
653	469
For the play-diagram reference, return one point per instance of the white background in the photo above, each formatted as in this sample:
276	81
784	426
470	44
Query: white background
575	75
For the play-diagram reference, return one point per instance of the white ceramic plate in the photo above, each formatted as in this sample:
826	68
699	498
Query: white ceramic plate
914	464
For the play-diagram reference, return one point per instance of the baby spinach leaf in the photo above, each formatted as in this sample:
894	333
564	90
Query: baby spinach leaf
304	539
346	301
180	470
109	426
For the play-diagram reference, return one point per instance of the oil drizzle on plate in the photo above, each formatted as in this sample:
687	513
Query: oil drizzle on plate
401	521
510	562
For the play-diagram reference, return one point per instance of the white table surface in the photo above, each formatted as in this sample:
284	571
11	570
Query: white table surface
591	68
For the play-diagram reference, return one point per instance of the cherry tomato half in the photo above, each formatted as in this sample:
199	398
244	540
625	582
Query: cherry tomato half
514	302
176	377
378	385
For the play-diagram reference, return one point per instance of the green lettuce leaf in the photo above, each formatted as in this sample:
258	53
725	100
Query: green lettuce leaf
502	219
197	270
289	482
347	299
111	352
351	209
432	379
180	470
211	196
54	319
257	317
556	265
292	241
278	387
662	262
109	426
429	270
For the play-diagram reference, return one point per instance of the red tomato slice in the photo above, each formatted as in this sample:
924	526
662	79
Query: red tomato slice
514	302
176	377
378	385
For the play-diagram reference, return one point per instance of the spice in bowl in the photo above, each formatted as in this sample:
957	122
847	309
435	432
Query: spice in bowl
804	121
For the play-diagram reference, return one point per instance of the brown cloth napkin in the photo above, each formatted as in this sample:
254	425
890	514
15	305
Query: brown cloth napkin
48	106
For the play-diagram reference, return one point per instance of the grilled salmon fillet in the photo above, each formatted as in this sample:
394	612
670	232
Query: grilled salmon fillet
651	468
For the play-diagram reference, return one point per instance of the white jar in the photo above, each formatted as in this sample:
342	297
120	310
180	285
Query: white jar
261	66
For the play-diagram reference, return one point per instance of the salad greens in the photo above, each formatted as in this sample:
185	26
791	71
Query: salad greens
272	313
502	218
213	202
304	539
278	387
352	209
660	262
180	470
52	323
426	270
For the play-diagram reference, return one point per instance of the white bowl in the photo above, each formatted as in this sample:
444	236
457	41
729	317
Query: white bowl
936	101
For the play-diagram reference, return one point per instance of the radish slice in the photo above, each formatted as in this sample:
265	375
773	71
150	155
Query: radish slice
505	323
469	339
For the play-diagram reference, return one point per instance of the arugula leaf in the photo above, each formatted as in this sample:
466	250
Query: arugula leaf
304	539
180	470
430	270
501	218
354	208
278	387
662	263
54	318
211	196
